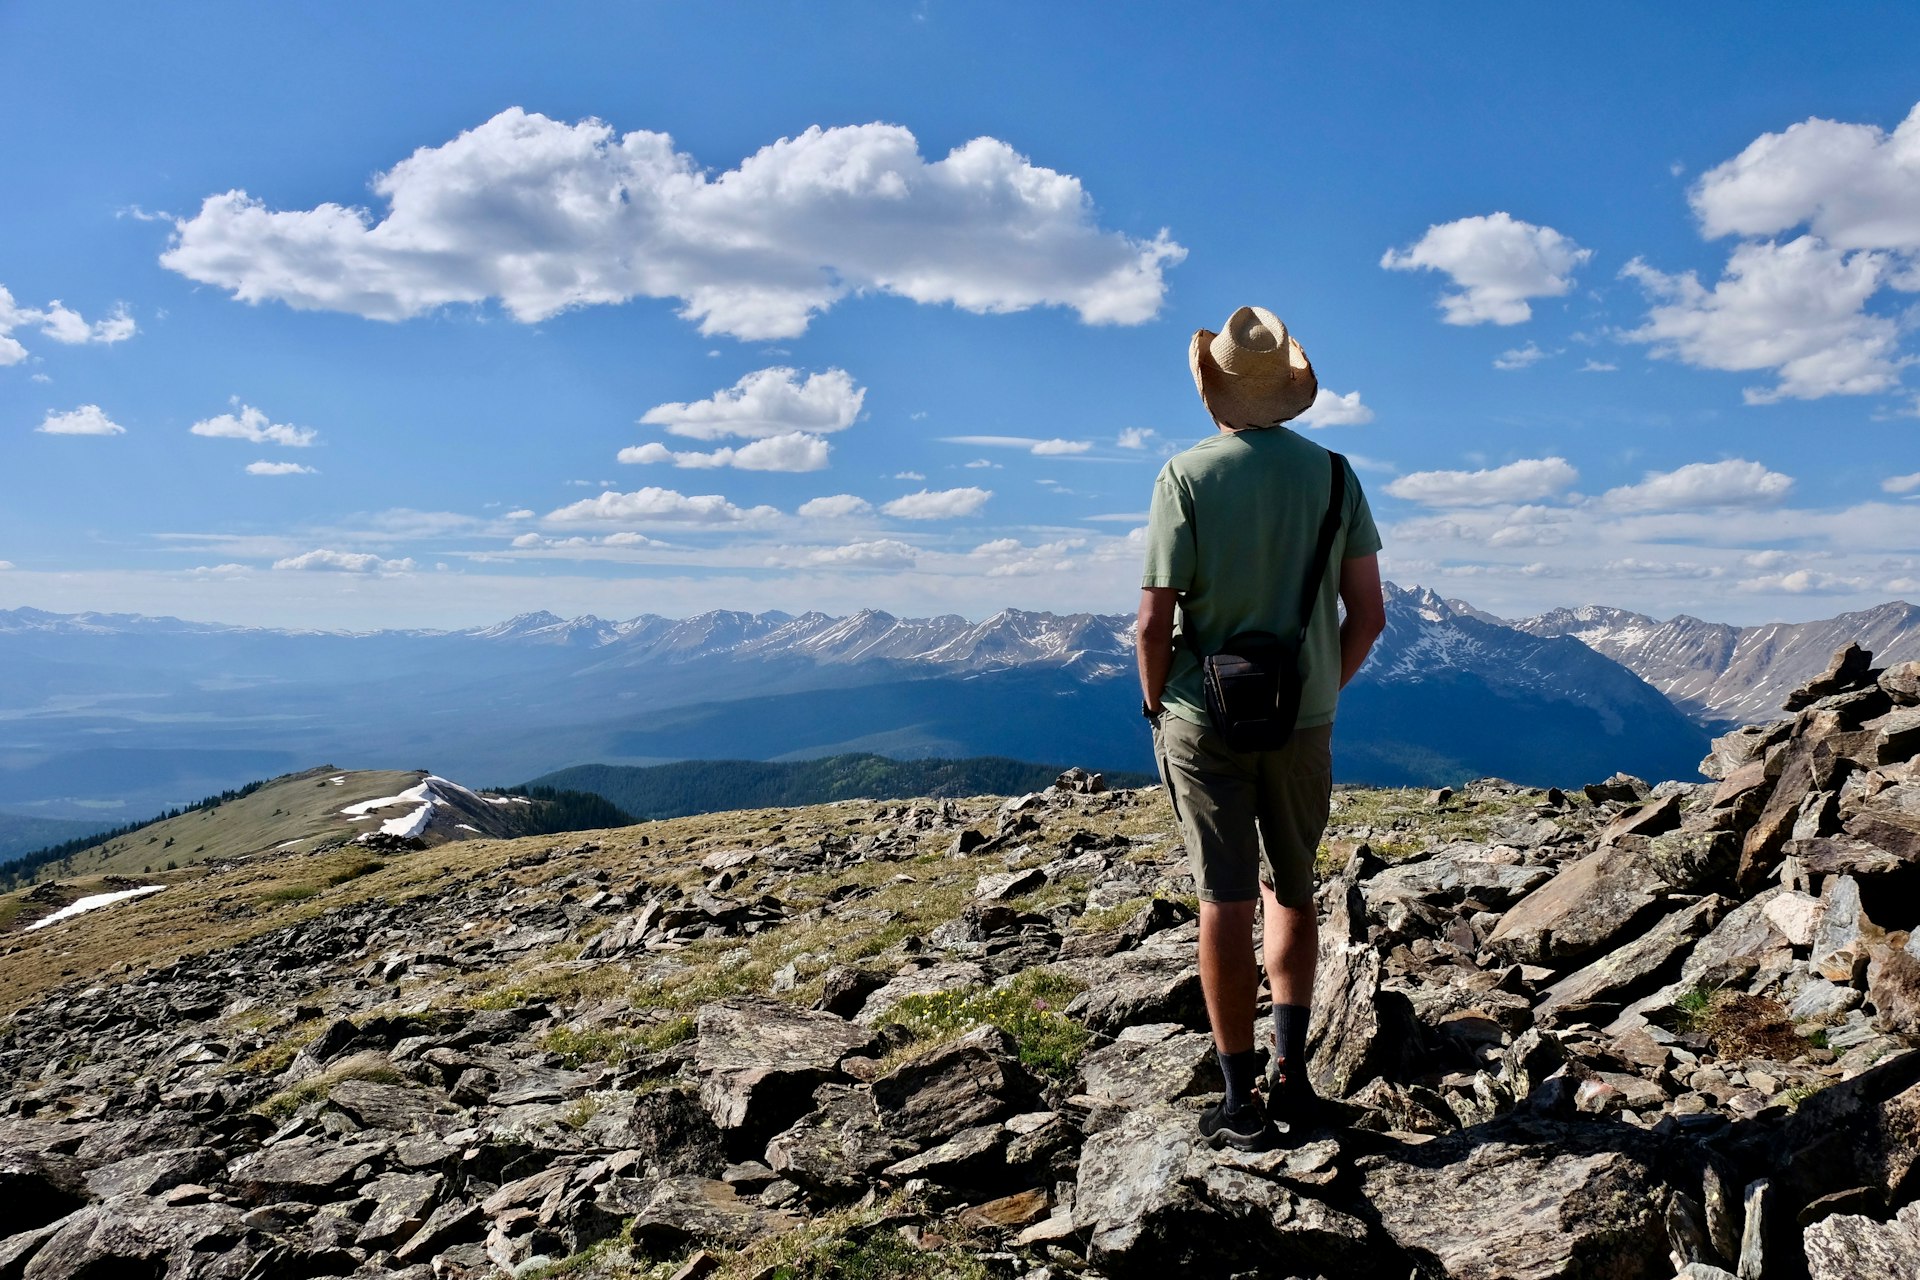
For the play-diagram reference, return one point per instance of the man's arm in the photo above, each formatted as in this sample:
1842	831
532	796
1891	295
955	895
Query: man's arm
1153	642
1366	615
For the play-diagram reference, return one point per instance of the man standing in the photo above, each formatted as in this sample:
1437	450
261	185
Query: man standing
1231	548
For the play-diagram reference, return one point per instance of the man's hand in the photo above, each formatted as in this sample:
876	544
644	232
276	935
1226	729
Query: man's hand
1153	642
1366	614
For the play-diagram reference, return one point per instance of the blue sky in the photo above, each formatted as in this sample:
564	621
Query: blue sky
426	315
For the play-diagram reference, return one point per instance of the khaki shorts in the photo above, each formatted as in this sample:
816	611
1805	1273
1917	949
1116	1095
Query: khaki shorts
1247	817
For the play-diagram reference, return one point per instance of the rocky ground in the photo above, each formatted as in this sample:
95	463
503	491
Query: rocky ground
1630	1032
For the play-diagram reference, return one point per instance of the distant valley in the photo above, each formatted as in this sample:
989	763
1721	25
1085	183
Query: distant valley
107	718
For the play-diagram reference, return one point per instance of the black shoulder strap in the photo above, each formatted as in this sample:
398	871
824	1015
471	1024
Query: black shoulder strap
1323	550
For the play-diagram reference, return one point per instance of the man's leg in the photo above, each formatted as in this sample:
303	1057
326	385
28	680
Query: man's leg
1291	945
1295	790
1212	793
1228	974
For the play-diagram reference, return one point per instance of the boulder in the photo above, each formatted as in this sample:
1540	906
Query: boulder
393	1107
968	1082
838	1146
973	1159
1268	1223
685	1210
1739	945
1901	682
1493	876
1893	985
1008	1213
1524	1203
151	1174
1849	668
1695	859
1796	916
1583	909
624	937
844	990
1361	1030
1132	1198
402	1203
36	1189
760	1061
1006	885
134	1236
1159	982
304	1168
1808	766
1157	1062
1850	1247
1653	818
1838	929
1628	972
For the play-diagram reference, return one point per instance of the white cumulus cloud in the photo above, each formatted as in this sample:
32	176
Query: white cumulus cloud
836	506
766	402
1520	357
279	469
1901	484
1735	482
1528	480
1803	582
1855	186
1137	437
883	553
87	420
794	451
59	322
1332	409
546	215
938	504
326	561
656	504
253	426
1496	262
1797	309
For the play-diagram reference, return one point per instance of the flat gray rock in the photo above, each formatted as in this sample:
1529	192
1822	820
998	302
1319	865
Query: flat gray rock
1587	906
1157	1062
1485	1209
1848	1247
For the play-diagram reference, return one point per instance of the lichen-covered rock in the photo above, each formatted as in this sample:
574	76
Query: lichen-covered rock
1539	1204
1850	1247
1587	906
135	1236
970	1081
836	1148
1157	1062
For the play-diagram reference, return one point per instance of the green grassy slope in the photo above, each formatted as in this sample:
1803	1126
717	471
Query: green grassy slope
712	786
298	811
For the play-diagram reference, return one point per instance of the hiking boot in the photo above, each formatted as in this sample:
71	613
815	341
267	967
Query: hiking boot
1244	1129
1293	1102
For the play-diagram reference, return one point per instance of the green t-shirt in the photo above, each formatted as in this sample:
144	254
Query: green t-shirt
1233	523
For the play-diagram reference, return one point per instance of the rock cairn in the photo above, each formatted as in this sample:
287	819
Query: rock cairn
1634	1031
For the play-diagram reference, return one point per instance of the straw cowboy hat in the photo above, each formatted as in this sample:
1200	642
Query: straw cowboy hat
1252	373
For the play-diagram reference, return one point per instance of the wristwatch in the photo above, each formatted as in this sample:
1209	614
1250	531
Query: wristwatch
1149	712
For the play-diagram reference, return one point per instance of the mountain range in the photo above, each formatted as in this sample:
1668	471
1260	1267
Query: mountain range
111	716
1724	675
